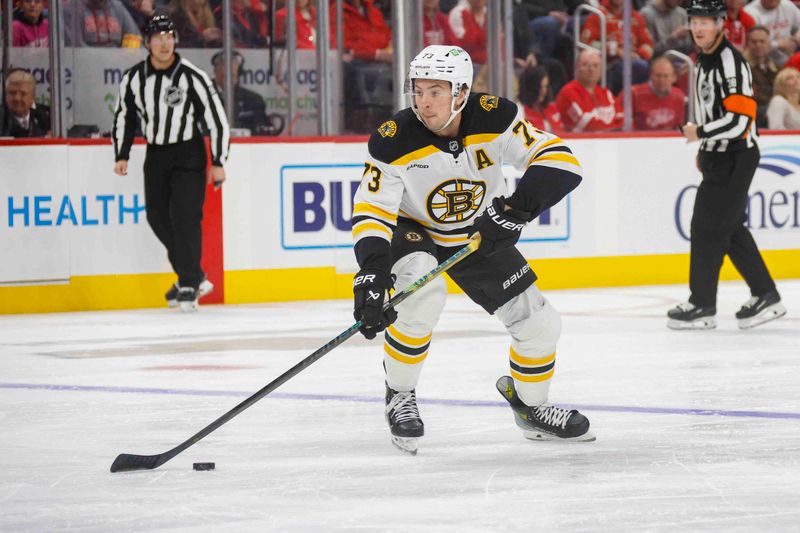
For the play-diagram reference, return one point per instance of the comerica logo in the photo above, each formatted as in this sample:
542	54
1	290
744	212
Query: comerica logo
774	201
765	210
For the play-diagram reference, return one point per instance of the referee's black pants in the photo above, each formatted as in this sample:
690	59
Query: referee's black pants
174	192
718	226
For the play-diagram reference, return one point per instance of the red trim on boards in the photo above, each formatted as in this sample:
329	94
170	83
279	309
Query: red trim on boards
213	261
356	138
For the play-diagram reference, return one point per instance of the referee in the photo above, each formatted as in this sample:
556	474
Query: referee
728	157
176	103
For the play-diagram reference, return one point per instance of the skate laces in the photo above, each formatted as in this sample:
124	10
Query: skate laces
404	405
552	415
686	306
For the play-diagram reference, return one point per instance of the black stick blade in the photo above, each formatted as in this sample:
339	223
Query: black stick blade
126	462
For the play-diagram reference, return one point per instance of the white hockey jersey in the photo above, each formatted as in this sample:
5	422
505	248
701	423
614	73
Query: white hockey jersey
444	183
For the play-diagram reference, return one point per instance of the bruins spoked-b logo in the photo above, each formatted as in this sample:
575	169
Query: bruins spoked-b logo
413	236
489	102
174	96
388	128
455	200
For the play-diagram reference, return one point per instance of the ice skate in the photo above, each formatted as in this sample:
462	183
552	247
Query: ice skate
689	316
206	287
187	298
404	420
172	295
760	309
545	422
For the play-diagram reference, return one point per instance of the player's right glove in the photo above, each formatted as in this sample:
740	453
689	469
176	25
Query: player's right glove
370	288
499	227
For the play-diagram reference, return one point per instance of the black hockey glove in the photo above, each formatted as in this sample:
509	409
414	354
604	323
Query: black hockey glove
499	228
370	288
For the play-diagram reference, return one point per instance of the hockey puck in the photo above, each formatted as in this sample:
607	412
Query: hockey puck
203	466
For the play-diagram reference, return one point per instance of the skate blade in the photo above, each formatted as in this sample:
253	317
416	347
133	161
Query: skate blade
773	312
189	307
405	444
172	303
544	436
700	323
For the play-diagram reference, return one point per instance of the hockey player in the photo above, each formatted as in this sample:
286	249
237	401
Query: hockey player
728	157
434	177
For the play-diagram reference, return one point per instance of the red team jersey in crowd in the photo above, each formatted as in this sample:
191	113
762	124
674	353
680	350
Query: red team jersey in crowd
642	42
736	29
305	30
470	34
793	61
364	35
436	30
653	112
548	120
582	111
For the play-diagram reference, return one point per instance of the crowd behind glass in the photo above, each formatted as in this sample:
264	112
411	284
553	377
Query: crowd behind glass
559	91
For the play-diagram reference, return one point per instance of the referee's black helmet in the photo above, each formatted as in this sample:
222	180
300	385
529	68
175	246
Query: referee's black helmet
707	8
160	24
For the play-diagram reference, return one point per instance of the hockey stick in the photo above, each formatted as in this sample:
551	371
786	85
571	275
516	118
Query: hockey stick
126	462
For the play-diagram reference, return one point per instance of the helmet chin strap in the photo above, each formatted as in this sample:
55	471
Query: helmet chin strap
453	114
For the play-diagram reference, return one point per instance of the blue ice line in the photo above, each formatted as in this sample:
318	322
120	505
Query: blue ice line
371	399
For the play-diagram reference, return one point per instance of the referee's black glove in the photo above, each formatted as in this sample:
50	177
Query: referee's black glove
370	288
499	227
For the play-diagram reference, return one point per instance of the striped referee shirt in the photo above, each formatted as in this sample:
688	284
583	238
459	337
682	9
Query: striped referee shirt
724	104
174	105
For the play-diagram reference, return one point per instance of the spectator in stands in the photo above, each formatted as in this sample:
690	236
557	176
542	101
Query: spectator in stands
140	11
101	23
305	17
195	24
20	115
641	42
783	112
582	103
668	26
782	19
30	27
366	34
657	104
249	109
249	22
527	51
435	26
536	100
763	68
367	75
468	22
737	24
548	22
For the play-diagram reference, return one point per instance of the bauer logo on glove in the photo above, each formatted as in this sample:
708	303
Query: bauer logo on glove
499	226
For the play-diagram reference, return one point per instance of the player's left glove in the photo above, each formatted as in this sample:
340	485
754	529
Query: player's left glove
370	287
499	226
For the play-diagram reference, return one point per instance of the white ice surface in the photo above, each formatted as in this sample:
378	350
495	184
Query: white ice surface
696	431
